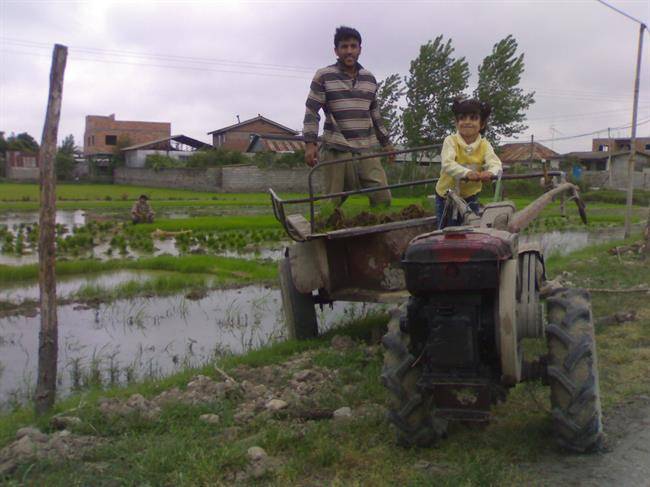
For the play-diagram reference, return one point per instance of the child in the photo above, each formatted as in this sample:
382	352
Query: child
465	154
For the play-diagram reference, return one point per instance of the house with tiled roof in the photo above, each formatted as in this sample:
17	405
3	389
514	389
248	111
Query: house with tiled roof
526	154
239	136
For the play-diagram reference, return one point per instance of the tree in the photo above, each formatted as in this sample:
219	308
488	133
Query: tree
68	146
23	142
389	92
119	159
499	77
435	79
3	144
64	163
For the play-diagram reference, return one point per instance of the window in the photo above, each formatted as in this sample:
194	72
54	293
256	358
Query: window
603	148
111	140
647	147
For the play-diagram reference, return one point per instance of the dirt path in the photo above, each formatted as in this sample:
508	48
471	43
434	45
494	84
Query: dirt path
625	461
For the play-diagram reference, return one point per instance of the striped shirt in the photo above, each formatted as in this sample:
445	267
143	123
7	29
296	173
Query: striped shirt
353	122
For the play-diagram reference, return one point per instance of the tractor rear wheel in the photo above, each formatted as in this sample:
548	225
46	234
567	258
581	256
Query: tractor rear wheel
410	410
299	309
573	371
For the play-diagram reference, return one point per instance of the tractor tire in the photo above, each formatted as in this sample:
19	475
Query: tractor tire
573	371
529	307
410	411
299	311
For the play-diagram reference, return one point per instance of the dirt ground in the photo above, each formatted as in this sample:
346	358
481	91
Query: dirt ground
624	462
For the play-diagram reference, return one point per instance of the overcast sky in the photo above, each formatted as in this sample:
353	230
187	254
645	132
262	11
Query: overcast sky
199	64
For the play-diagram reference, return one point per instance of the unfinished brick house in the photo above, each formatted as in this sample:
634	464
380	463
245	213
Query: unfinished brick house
102	133
619	144
239	136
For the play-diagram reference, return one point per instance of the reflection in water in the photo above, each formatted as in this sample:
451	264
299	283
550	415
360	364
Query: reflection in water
147	337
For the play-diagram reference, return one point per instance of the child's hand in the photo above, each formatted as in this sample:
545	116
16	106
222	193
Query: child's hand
486	176
473	176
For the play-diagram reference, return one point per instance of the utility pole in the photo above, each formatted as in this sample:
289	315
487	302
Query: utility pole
609	159
630	163
635	107
48	339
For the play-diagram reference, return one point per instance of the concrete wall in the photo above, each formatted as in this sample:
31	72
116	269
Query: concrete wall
250	178
196	179
228	179
22	173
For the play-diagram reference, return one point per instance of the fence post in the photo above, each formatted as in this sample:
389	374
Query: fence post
48	336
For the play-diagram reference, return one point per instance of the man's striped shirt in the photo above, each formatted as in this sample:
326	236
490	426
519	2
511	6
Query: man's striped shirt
352	119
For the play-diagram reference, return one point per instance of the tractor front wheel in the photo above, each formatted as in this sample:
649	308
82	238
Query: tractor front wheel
410	410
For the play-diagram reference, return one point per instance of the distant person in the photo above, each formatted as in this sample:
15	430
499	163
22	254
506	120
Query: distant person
465	154
346	92
141	212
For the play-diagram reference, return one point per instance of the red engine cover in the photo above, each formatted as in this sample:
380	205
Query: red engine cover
467	245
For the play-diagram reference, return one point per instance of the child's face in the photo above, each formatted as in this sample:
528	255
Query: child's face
468	125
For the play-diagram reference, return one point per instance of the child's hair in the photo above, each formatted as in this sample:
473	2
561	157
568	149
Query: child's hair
462	106
343	32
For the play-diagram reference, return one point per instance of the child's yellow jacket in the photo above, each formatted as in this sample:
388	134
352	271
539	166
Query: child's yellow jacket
459	158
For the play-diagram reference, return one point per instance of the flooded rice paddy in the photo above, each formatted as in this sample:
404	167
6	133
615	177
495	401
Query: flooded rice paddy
135	339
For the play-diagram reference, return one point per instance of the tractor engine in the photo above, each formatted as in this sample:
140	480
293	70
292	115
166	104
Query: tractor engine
453	278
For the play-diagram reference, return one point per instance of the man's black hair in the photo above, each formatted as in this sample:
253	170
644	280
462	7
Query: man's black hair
472	106
342	33
143	196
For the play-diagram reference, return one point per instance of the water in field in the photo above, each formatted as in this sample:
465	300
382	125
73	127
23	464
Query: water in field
133	339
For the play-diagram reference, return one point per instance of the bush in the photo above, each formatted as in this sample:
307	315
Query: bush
269	159
216	157
160	161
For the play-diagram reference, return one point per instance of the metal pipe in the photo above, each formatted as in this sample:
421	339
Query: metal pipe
522	219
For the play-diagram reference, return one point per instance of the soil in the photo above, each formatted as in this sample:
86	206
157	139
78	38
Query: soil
337	220
624	461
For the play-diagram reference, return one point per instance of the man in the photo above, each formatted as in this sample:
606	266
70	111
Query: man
346	92
141	212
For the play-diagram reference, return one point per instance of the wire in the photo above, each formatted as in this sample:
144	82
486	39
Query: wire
159	57
578	136
621	12
169	66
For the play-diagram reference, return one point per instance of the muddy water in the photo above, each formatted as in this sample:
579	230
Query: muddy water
142	337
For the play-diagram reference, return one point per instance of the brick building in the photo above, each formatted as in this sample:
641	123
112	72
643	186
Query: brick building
22	165
102	133
240	135
619	144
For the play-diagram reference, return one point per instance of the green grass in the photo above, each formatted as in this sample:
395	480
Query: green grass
226	268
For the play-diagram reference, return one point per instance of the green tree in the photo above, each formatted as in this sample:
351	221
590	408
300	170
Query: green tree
389	93
3	144
435	79
64	161
64	164
118	155
499	76
68	145
23	142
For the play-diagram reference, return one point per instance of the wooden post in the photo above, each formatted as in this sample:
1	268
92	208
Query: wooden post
647	236
630	164
48	336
